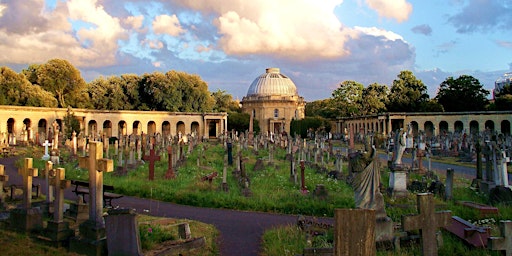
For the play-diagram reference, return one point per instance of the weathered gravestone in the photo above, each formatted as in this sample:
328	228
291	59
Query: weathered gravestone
122	231
26	218
503	243
427	221
3	178
58	230
354	232
169	174
92	240
152	158
48	188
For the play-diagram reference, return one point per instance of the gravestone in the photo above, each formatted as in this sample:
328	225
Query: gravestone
92	240
224	185
122	229
230	153
354	232
503	243
448	194
3	179
303	188
46	155
57	230
427	221
48	188
169	174
152	158
26	218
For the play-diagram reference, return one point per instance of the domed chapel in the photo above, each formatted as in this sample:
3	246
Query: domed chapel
272	99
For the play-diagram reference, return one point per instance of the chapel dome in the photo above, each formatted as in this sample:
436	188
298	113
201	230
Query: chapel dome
272	83
501	82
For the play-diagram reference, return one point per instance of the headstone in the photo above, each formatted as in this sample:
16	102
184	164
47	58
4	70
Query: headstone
55	142
230	153
427	221
57	229
503	243
448	194
92	240
354	232
74	142
46	155
122	229
3	179
169	174
152	158
48	188
224	185
27	218
303	188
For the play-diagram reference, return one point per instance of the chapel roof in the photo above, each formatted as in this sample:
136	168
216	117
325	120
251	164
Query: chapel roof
272	83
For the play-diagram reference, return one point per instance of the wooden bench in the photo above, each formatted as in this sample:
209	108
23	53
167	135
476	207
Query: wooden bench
82	188
209	177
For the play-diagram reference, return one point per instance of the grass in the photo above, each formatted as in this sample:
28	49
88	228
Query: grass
272	191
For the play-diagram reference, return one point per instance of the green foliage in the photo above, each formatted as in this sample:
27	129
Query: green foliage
16	90
374	99
348	97
325	108
150	235
71	123
462	94
408	94
224	102
301	127
504	102
287	240
65	82
240	122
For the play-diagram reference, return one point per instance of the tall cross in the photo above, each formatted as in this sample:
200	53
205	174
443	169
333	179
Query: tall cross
46	144
170	172
60	184
503	243
152	159
27	172
427	221
96	165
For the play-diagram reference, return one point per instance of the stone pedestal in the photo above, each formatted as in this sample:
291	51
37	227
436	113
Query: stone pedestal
58	233
92	240
123	232
78	212
384	230
487	186
26	220
398	183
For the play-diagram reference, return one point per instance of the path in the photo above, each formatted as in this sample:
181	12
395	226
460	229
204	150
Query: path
240	231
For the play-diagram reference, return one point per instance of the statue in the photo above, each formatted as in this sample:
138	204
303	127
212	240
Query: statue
400	145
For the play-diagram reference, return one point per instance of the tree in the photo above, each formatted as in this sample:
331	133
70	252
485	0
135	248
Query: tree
408	94
374	98
347	98
108	94
462	94
322	108
16	90
224	102
64	81
240	122
504	102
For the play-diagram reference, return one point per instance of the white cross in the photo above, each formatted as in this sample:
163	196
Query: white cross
46	144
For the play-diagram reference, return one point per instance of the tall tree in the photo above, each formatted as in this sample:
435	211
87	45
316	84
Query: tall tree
462	94
347	98
224	102
408	94
109	94
16	90
65	82
374	99
325	108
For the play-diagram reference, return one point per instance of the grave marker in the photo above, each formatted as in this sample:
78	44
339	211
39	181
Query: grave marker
122	230
427	221
170	171
46	156
58	229
152	157
3	178
503	243
354	232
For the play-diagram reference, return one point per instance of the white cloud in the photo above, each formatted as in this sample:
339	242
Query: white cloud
395	9
165	24
293	29
3	7
134	22
373	31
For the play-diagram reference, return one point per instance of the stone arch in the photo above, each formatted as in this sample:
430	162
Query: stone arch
27	130
107	128
42	129
194	127
10	125
415	128
166	129
151	128
180	127
443	127
474	127
136	129
489	124
505	127
122	129
428	127
212	129
458	126
92	127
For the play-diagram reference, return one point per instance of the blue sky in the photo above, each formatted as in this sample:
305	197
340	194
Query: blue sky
318	44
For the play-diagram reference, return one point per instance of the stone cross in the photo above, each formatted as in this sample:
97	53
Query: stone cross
60	184
96	165
48	189
46	144
427	221
3	178
170	171
27	172
503	243
303	188
152	157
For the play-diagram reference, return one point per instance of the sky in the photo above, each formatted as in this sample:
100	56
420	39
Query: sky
228	43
